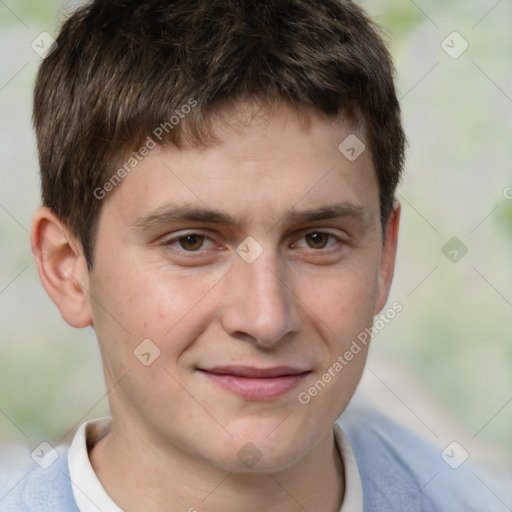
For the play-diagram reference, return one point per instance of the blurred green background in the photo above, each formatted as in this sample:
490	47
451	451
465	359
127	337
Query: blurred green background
444	364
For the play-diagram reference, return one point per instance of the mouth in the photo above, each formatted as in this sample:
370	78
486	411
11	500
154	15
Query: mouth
256	383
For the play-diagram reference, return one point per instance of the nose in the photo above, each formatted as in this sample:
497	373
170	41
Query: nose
261	306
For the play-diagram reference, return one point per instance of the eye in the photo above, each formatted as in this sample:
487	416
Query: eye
189	242
319	240
192	242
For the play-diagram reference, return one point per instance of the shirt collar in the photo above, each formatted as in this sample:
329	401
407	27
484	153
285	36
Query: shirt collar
353	498
90	495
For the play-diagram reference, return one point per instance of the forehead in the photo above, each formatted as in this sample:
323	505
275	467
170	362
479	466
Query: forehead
262	164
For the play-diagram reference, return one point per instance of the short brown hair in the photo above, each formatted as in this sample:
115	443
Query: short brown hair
124	67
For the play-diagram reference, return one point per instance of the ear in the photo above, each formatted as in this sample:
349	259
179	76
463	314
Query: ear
388	257
61	266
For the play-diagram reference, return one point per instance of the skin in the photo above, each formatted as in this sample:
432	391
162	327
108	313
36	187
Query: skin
175	433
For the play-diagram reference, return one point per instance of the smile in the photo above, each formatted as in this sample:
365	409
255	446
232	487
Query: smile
255	383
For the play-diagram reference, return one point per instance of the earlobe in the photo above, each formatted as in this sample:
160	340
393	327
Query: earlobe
61	266
388	257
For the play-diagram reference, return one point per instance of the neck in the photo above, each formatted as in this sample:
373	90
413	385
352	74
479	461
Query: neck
142	476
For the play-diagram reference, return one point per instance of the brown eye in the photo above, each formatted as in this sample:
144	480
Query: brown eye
191	242
317	240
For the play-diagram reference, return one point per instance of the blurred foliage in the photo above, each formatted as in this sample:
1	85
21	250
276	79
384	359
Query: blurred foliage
30	12
504	218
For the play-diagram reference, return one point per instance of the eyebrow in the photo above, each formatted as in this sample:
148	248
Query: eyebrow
167	214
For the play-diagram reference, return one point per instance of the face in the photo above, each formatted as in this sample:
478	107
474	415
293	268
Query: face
228	280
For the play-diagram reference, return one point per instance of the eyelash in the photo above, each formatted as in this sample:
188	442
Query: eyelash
175	240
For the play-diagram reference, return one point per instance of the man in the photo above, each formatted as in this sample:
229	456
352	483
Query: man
218	187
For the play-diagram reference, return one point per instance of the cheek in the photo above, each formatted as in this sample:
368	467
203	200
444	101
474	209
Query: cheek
342	309
168	307
344	299
149	305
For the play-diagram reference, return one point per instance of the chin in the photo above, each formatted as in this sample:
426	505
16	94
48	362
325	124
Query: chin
253	459
254	451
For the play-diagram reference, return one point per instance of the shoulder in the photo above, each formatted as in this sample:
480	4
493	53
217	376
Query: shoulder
30	486
401	471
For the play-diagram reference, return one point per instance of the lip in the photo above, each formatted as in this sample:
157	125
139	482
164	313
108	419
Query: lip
256	383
